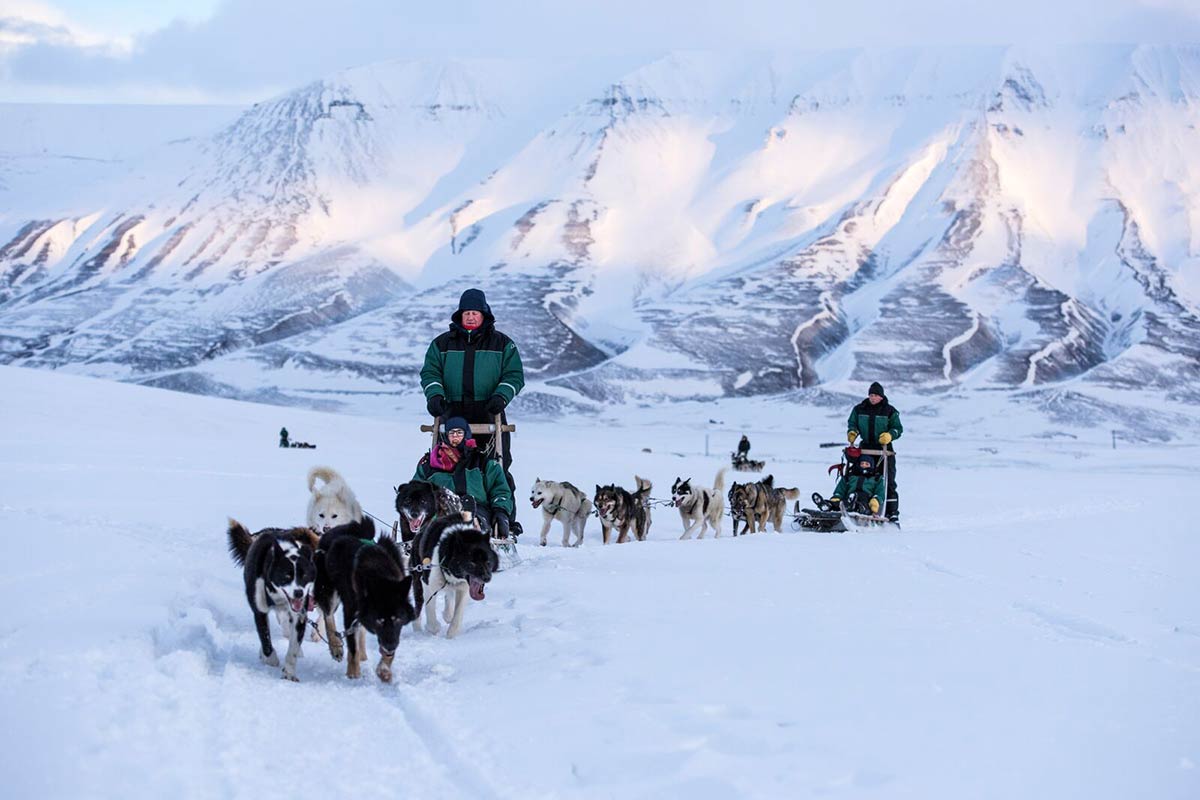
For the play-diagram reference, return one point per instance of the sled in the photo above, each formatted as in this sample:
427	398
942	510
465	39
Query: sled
826	520
505	548
745	464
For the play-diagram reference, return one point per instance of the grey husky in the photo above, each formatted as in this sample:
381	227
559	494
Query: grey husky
559	500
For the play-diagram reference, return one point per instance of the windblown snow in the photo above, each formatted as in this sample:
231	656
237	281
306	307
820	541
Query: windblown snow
1032	632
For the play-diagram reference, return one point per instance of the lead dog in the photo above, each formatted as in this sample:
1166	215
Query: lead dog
563	502
331	503
699	506
279	573
366	578
456	558
622	509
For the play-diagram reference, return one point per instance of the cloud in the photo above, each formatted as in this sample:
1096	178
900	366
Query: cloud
248	49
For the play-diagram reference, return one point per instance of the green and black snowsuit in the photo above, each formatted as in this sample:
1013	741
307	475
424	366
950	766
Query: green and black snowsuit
863	485
474	476
869	421
469	367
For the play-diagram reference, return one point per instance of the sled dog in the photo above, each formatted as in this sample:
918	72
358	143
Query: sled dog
332	503
419	503
453	557
279	571
366	578
756	504
563	502
621	509
699	506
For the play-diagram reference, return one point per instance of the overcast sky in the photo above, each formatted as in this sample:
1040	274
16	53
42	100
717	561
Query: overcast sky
244	50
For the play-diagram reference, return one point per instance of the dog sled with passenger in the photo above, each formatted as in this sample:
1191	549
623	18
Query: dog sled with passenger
466	478
858	500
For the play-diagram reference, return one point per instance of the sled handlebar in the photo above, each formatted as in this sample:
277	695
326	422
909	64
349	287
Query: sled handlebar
490	428
477	427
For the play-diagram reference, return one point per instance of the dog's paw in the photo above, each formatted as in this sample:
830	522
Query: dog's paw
452	631
270	660
384	672
290	676
335	649
433	627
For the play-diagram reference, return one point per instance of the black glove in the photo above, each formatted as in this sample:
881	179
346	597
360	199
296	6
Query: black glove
496	404
500	524
436	405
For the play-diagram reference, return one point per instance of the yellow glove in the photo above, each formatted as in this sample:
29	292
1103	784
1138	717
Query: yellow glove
851	436
873	505
885	438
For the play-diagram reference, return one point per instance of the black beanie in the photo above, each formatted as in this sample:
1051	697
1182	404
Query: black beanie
474	300
876	387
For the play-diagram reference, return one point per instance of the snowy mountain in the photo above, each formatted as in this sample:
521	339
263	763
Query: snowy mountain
985	218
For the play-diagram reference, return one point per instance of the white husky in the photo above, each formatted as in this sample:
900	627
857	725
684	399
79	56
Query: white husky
562	502
699	507
332	503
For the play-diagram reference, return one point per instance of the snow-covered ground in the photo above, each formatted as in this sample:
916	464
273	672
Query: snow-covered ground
1033	632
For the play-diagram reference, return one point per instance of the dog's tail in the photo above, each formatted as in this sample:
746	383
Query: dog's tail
239	541
327	474
790	494
719	482
643	484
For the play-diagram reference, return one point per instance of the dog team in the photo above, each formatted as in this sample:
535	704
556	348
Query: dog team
460	496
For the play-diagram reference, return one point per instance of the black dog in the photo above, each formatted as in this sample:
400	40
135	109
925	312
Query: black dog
367	579
454	557
279	570
419	503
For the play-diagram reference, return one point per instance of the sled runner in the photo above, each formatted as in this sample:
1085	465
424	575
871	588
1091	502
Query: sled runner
741	463
848	515
506	548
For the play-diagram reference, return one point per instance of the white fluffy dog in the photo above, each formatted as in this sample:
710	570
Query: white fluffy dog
332	503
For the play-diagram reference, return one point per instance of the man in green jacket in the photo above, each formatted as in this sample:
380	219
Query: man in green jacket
456	463
474	371
878	424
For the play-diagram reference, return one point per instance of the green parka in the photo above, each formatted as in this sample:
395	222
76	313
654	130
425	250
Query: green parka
868	421
467	367
475	475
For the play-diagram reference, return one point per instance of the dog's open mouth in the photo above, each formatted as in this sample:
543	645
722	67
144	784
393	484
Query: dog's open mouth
536	502
415	523
476	587
297	604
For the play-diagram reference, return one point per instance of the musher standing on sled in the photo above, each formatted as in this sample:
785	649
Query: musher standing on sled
743	451
474	371
879	424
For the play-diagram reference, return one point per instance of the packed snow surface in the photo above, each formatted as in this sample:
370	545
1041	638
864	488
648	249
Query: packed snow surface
1032	632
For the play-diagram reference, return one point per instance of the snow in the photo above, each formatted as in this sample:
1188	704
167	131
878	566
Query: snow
1032	632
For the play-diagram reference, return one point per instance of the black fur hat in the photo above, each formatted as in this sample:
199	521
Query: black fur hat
876	387
474	300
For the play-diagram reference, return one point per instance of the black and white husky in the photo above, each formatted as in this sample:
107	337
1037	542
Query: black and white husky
453	558
279	572
699	506
559	500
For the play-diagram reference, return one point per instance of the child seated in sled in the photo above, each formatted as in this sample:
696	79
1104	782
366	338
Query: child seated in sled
456	463
862	489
